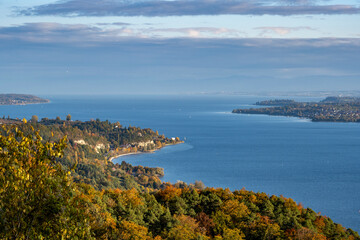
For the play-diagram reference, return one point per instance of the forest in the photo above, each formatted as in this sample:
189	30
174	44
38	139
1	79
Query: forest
42	195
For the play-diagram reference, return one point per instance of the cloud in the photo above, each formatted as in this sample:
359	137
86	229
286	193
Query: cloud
281	30
154	8
199	32
77	33
114	24
298	2
55	32
81	34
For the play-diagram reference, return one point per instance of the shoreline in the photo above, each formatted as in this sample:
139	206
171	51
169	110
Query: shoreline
126	154
133	153
23	104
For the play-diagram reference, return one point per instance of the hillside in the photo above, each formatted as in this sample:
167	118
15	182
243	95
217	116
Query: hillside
92	144
20	99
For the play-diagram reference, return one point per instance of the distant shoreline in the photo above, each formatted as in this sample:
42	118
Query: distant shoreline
23	104
331	109
20	99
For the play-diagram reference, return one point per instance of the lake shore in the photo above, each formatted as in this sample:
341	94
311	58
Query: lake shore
127	154
151	151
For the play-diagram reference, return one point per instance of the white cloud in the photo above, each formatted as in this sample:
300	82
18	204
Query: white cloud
281	30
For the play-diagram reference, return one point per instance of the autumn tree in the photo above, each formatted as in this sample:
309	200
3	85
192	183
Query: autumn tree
186	228
36	193
34	119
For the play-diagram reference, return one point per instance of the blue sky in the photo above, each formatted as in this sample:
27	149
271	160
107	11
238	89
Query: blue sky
179	46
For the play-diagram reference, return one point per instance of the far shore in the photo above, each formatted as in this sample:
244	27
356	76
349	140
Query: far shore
23	104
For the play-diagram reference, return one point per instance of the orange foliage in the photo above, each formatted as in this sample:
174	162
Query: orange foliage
319	223
300	206
252	198
169	193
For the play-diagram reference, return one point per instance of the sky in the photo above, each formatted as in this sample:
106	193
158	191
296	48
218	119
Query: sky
178	46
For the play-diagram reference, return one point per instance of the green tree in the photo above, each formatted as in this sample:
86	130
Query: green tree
68	117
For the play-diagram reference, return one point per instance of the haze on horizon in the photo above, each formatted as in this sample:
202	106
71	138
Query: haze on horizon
182	46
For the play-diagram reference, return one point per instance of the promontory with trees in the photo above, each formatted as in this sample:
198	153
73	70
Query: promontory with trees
20	99
331	109
91	146
57	182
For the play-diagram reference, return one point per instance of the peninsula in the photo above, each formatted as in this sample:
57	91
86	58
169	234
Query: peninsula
20	99
91	145
331	109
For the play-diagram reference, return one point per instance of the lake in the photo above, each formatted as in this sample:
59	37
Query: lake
316	164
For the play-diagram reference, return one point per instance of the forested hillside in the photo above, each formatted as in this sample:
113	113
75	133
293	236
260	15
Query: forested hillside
91	145
43	198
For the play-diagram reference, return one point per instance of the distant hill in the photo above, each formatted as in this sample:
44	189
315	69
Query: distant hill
276	102
20	99
341	100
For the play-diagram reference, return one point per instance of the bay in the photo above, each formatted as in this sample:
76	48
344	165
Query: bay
316	164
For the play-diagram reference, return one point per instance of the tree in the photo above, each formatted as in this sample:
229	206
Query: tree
232	234
36	193
68	117
186	228
199	185
34	119
130	230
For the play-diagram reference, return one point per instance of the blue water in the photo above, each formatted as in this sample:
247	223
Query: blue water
316	164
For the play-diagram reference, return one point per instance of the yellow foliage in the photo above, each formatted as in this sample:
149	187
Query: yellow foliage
187	228
131	197
232	234
235	209
132	231
35	190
